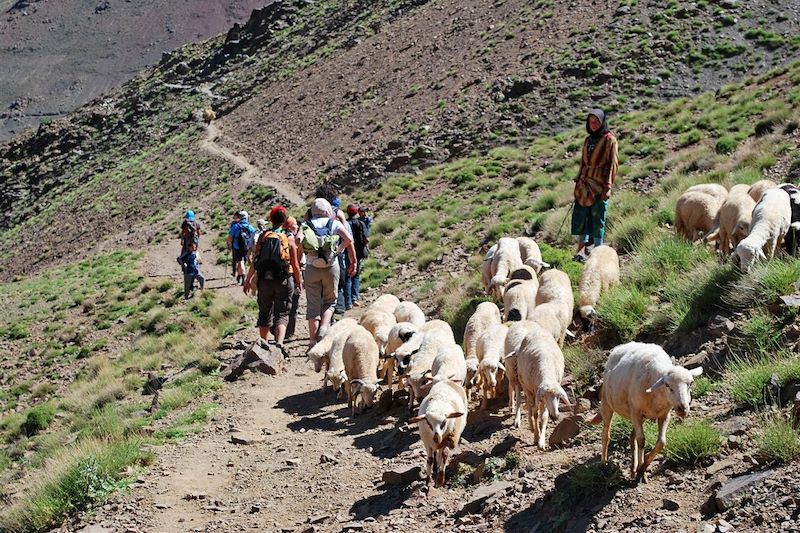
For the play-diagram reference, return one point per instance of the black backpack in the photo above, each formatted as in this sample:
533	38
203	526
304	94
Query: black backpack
273	259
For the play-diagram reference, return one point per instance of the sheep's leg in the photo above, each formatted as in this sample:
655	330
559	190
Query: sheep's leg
389	372
325	377
543	416
638	428
346	387
411	399
531	421
606	438
485	400
518	407
512	388
430	462
778	245
660	443
440	467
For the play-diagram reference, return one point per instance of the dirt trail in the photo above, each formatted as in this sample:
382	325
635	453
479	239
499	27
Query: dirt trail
252	174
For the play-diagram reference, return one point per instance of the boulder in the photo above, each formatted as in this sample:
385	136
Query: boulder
482	494
565	430
730	493
402	476
258	358
720	326
503	447
582	405
670	505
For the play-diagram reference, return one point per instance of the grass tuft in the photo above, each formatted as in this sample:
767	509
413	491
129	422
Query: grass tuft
779	442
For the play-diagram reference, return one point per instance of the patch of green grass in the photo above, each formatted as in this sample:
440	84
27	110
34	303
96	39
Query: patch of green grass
584	364
726	144
762	331
765	283
621	311
691	441
595	478
38	419
77	479
778	442
626	234
766	38
702	386
748	378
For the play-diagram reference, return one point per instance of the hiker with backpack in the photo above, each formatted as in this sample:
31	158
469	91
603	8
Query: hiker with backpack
352	284
240	240
324	238
190	231
278	269
191	271
365	218
340	299
293	230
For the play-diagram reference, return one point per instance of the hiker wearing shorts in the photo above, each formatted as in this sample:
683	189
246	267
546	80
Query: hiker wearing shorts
293	230
275	262
322	268
598	171
191	271
240	234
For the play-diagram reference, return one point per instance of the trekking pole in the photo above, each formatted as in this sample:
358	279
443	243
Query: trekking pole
571	206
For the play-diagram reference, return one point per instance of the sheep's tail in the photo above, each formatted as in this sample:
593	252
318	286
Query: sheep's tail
596	419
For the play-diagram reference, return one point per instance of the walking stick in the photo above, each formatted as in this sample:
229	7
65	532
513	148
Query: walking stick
571	206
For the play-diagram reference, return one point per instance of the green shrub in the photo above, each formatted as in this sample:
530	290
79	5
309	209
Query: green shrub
764	283
779	442
595	478
38	419
630	231
545	201
762	331
691	441
749	378
702	386
725	145
765	38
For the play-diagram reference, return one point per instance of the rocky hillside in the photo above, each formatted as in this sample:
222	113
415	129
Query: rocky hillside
351	92
67	52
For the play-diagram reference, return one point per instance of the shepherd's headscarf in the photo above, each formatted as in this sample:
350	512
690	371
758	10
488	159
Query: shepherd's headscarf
321	208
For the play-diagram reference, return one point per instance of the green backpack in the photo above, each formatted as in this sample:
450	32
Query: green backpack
319	244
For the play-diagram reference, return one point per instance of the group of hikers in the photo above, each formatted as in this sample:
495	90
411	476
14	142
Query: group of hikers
279	258
324	254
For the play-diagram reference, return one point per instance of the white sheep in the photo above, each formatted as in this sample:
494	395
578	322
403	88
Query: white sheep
442	417
772	218
360	357
385	302
641	383
696	212
486	268
409	312
379	323
735	216
757	190
400	334
519	299
530	254
516	334
555	303
712	189
319	354
540	369
450	364
491	357
486	315
600	273
417	364
506	259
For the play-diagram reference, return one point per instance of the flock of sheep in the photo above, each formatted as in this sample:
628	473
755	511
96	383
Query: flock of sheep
752	220
519	349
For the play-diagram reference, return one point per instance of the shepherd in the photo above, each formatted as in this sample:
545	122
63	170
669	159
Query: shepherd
599	165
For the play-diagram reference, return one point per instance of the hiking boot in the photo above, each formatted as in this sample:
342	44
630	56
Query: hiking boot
356	303
579	258
283	350
347	308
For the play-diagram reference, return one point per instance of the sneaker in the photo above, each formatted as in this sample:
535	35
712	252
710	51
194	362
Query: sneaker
579	258
356	303
348	307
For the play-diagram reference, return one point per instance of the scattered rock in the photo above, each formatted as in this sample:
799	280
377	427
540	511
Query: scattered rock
195	496
565	430
582	405
670	505
326	458
720	326
727	496
698	359
96	528
385	401
482	494
719	466
467	457
402	476
246	439
294	462
259	357
736	425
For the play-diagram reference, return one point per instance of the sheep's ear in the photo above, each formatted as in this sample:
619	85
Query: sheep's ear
655	386
455	415
501	366
358	382
510	355
544	265
733	258
562	395
696	371
415	419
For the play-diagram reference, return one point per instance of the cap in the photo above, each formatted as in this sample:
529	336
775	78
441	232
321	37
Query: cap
352	209
262	224
190	214
243	214
335	203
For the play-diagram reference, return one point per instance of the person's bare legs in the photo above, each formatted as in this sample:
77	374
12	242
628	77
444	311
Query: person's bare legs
325	321
280	333
263	332
313	325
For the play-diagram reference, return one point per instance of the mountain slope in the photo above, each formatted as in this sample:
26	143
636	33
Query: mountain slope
66	52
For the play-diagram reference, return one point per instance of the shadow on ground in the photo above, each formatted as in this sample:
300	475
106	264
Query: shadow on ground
578	495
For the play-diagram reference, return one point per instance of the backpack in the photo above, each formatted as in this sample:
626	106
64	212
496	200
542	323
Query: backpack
273	258
189	232
319	244
245	237
359	232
